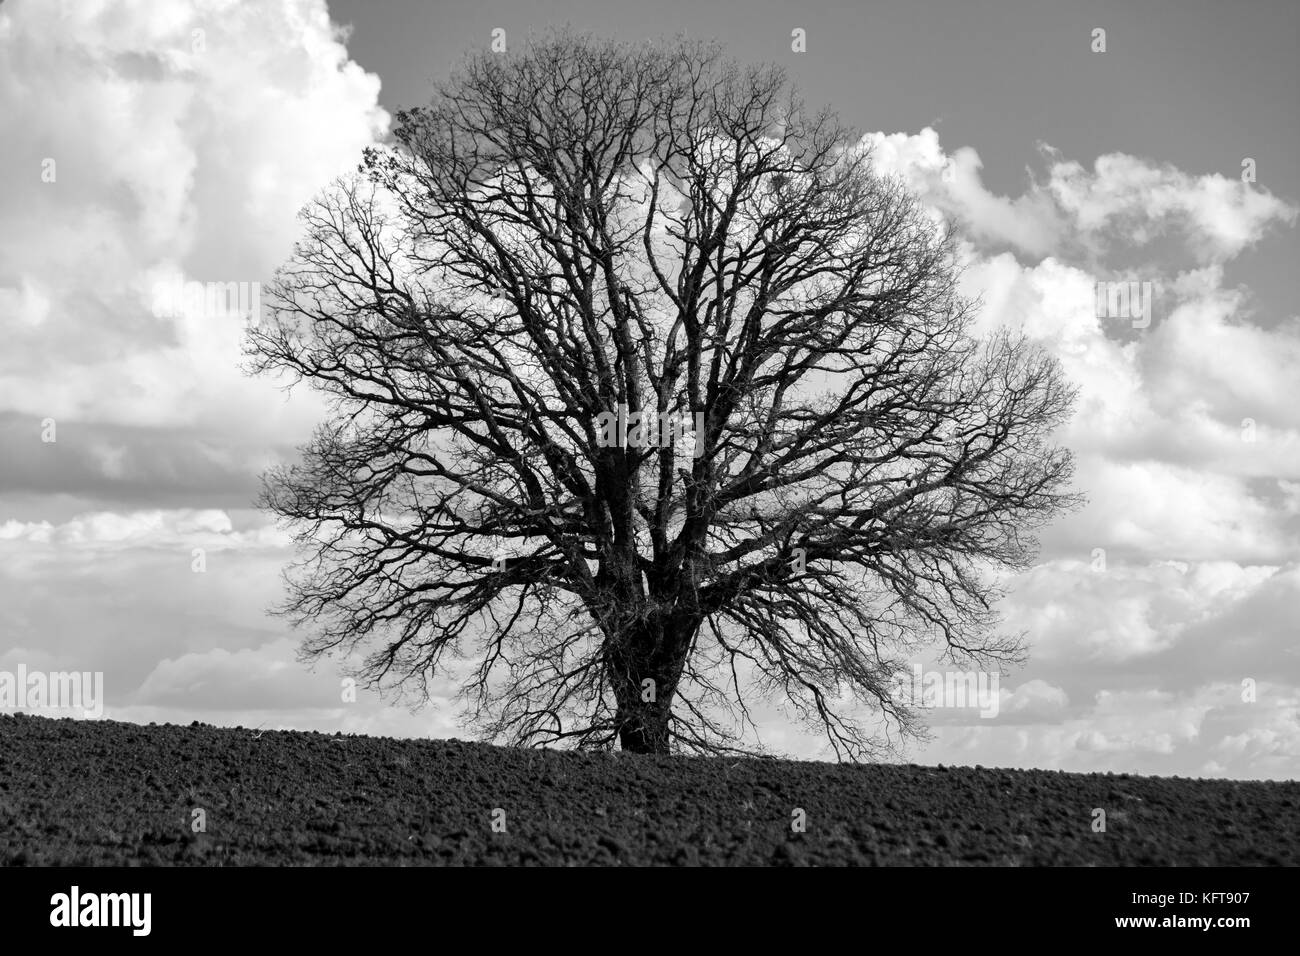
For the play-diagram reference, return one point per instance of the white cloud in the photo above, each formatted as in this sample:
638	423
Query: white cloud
1174	426
184	528
1128	196
1122	202
1209	732
175	152
952	184
1034	701
1090	621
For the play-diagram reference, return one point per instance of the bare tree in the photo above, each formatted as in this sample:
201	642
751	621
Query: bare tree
649	395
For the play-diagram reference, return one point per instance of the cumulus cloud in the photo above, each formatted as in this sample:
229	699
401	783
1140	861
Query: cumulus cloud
1170	667
150	145
1155	600
951	183
1133	200
1095	621
1034	701
119	593
1123	201
235	680
1182	432
1209	733
153	146
187	528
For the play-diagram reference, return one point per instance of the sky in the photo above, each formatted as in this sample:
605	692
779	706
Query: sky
145	144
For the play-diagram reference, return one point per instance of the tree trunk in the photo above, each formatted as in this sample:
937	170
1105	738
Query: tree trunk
643	728
643	672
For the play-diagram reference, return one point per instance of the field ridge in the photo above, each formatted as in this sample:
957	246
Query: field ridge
105	792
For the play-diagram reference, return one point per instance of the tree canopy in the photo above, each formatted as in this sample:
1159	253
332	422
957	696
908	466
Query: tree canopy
649	398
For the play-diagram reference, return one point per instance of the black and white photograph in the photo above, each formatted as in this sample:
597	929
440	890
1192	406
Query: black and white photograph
596	434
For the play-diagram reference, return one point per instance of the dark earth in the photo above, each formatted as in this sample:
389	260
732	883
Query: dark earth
103	792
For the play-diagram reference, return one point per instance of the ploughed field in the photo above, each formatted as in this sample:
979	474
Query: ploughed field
102	792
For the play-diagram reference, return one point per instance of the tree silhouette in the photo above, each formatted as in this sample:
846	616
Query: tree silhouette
648	396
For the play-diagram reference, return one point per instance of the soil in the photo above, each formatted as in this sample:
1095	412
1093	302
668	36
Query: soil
109	793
